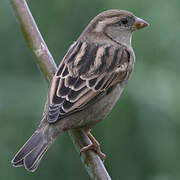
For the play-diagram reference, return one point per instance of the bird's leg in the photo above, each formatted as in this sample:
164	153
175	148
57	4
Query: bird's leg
94	146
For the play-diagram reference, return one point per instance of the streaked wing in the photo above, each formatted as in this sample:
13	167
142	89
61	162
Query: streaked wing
85	72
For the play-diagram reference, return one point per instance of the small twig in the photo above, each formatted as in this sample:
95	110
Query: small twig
90	159
34	39
45	61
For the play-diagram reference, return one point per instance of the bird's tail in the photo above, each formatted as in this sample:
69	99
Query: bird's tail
31	153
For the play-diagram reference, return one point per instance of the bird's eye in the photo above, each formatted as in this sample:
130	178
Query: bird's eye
124	21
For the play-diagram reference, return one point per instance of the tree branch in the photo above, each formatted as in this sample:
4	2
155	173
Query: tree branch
45	61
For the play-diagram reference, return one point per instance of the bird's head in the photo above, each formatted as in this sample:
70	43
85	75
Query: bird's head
117	25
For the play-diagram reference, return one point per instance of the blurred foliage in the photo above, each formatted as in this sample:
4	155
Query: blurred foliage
140	136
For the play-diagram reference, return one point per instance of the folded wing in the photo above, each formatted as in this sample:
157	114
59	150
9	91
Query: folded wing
85	72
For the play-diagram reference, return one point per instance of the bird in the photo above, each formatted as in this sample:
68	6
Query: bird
88	83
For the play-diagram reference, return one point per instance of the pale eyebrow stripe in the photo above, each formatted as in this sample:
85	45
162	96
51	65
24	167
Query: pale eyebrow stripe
101	24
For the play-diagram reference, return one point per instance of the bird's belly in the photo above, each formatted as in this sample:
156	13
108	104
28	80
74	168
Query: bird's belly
102	108
97	111
89	116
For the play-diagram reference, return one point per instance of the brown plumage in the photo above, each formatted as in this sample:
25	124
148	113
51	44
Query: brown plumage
87	84
95	68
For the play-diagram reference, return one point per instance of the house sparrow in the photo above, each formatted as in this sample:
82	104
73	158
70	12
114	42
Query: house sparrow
87	84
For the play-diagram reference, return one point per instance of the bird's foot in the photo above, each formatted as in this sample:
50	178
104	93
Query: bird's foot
94	146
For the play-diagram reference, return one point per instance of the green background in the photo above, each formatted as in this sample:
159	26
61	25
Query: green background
141	136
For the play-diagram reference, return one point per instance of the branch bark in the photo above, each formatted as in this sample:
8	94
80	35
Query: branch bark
45	62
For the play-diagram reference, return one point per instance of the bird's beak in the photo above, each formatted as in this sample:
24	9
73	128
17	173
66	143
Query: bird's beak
139	23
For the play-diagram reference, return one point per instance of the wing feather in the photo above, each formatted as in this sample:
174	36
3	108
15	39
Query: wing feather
86	71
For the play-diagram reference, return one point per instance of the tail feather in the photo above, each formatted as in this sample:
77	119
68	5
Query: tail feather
31	153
